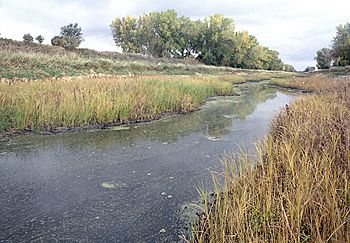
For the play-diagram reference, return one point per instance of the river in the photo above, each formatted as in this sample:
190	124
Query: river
128	183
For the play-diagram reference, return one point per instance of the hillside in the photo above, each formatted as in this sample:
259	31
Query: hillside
36	61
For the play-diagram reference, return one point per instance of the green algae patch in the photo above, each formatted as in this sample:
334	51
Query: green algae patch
108	185
119	128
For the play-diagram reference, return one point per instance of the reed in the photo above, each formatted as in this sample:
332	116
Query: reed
298	187
314	83
78	102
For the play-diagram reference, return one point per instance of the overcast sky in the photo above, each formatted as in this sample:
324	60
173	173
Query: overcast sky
297	29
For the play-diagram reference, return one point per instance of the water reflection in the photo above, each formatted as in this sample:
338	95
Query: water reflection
214	120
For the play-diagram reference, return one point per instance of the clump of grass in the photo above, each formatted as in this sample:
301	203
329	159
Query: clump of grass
73	102
314	83
298	189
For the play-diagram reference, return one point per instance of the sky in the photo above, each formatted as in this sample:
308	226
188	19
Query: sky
296	29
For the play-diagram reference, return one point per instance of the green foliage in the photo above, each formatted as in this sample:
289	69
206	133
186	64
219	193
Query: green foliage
341	45
309	69
70	37
289	68
340	52
126	34
324	58
212	41
27	38
57	41
216	39
40	38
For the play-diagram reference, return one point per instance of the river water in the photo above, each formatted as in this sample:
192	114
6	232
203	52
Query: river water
125	184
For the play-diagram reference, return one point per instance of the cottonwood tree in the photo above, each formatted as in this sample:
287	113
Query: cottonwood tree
341	45
216	40
324	58
212	40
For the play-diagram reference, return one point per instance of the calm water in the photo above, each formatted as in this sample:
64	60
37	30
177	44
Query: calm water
125	185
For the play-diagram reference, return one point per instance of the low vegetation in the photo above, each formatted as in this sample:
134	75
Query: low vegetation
297	188
47	104
36	61
81	87
103	100
315	83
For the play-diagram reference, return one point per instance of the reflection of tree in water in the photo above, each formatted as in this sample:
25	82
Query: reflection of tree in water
257	94
213	120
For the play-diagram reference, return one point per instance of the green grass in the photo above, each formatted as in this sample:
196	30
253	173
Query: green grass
34	61
75	102
37	66
298	189
88	88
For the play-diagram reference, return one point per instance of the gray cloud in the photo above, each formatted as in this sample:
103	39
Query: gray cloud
297	29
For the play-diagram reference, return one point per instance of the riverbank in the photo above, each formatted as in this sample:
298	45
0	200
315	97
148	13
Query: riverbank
298	188
47	104
155	167
79	103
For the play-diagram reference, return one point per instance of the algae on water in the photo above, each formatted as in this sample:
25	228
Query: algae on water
108	185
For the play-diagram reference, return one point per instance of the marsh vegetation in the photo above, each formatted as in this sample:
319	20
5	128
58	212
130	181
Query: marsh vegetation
294	189
297	190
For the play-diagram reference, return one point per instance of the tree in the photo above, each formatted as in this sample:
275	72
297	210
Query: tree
241	46
309	69
324	58
160	33
289	68
58	41
126	34
212	41
341	45
40	38
27	38
216	39
70	37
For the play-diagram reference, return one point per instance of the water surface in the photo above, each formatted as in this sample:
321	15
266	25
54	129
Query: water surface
125	184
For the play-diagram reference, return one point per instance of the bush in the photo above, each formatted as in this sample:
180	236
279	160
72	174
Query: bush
27	38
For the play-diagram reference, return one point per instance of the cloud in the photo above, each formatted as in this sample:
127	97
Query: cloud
297	29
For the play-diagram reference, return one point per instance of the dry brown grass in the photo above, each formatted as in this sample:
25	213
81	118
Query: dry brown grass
315	83
299	190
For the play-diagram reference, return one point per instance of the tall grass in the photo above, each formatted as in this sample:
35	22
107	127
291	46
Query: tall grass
316	83
298	189
73	102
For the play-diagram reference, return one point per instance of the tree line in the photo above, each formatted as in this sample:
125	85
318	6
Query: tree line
212	40
339	53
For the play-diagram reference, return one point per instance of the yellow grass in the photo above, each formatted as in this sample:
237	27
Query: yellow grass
71	102
299	187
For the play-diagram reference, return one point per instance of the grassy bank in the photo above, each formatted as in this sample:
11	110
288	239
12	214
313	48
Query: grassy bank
36	61
44	87
315	83
74	102
298	189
